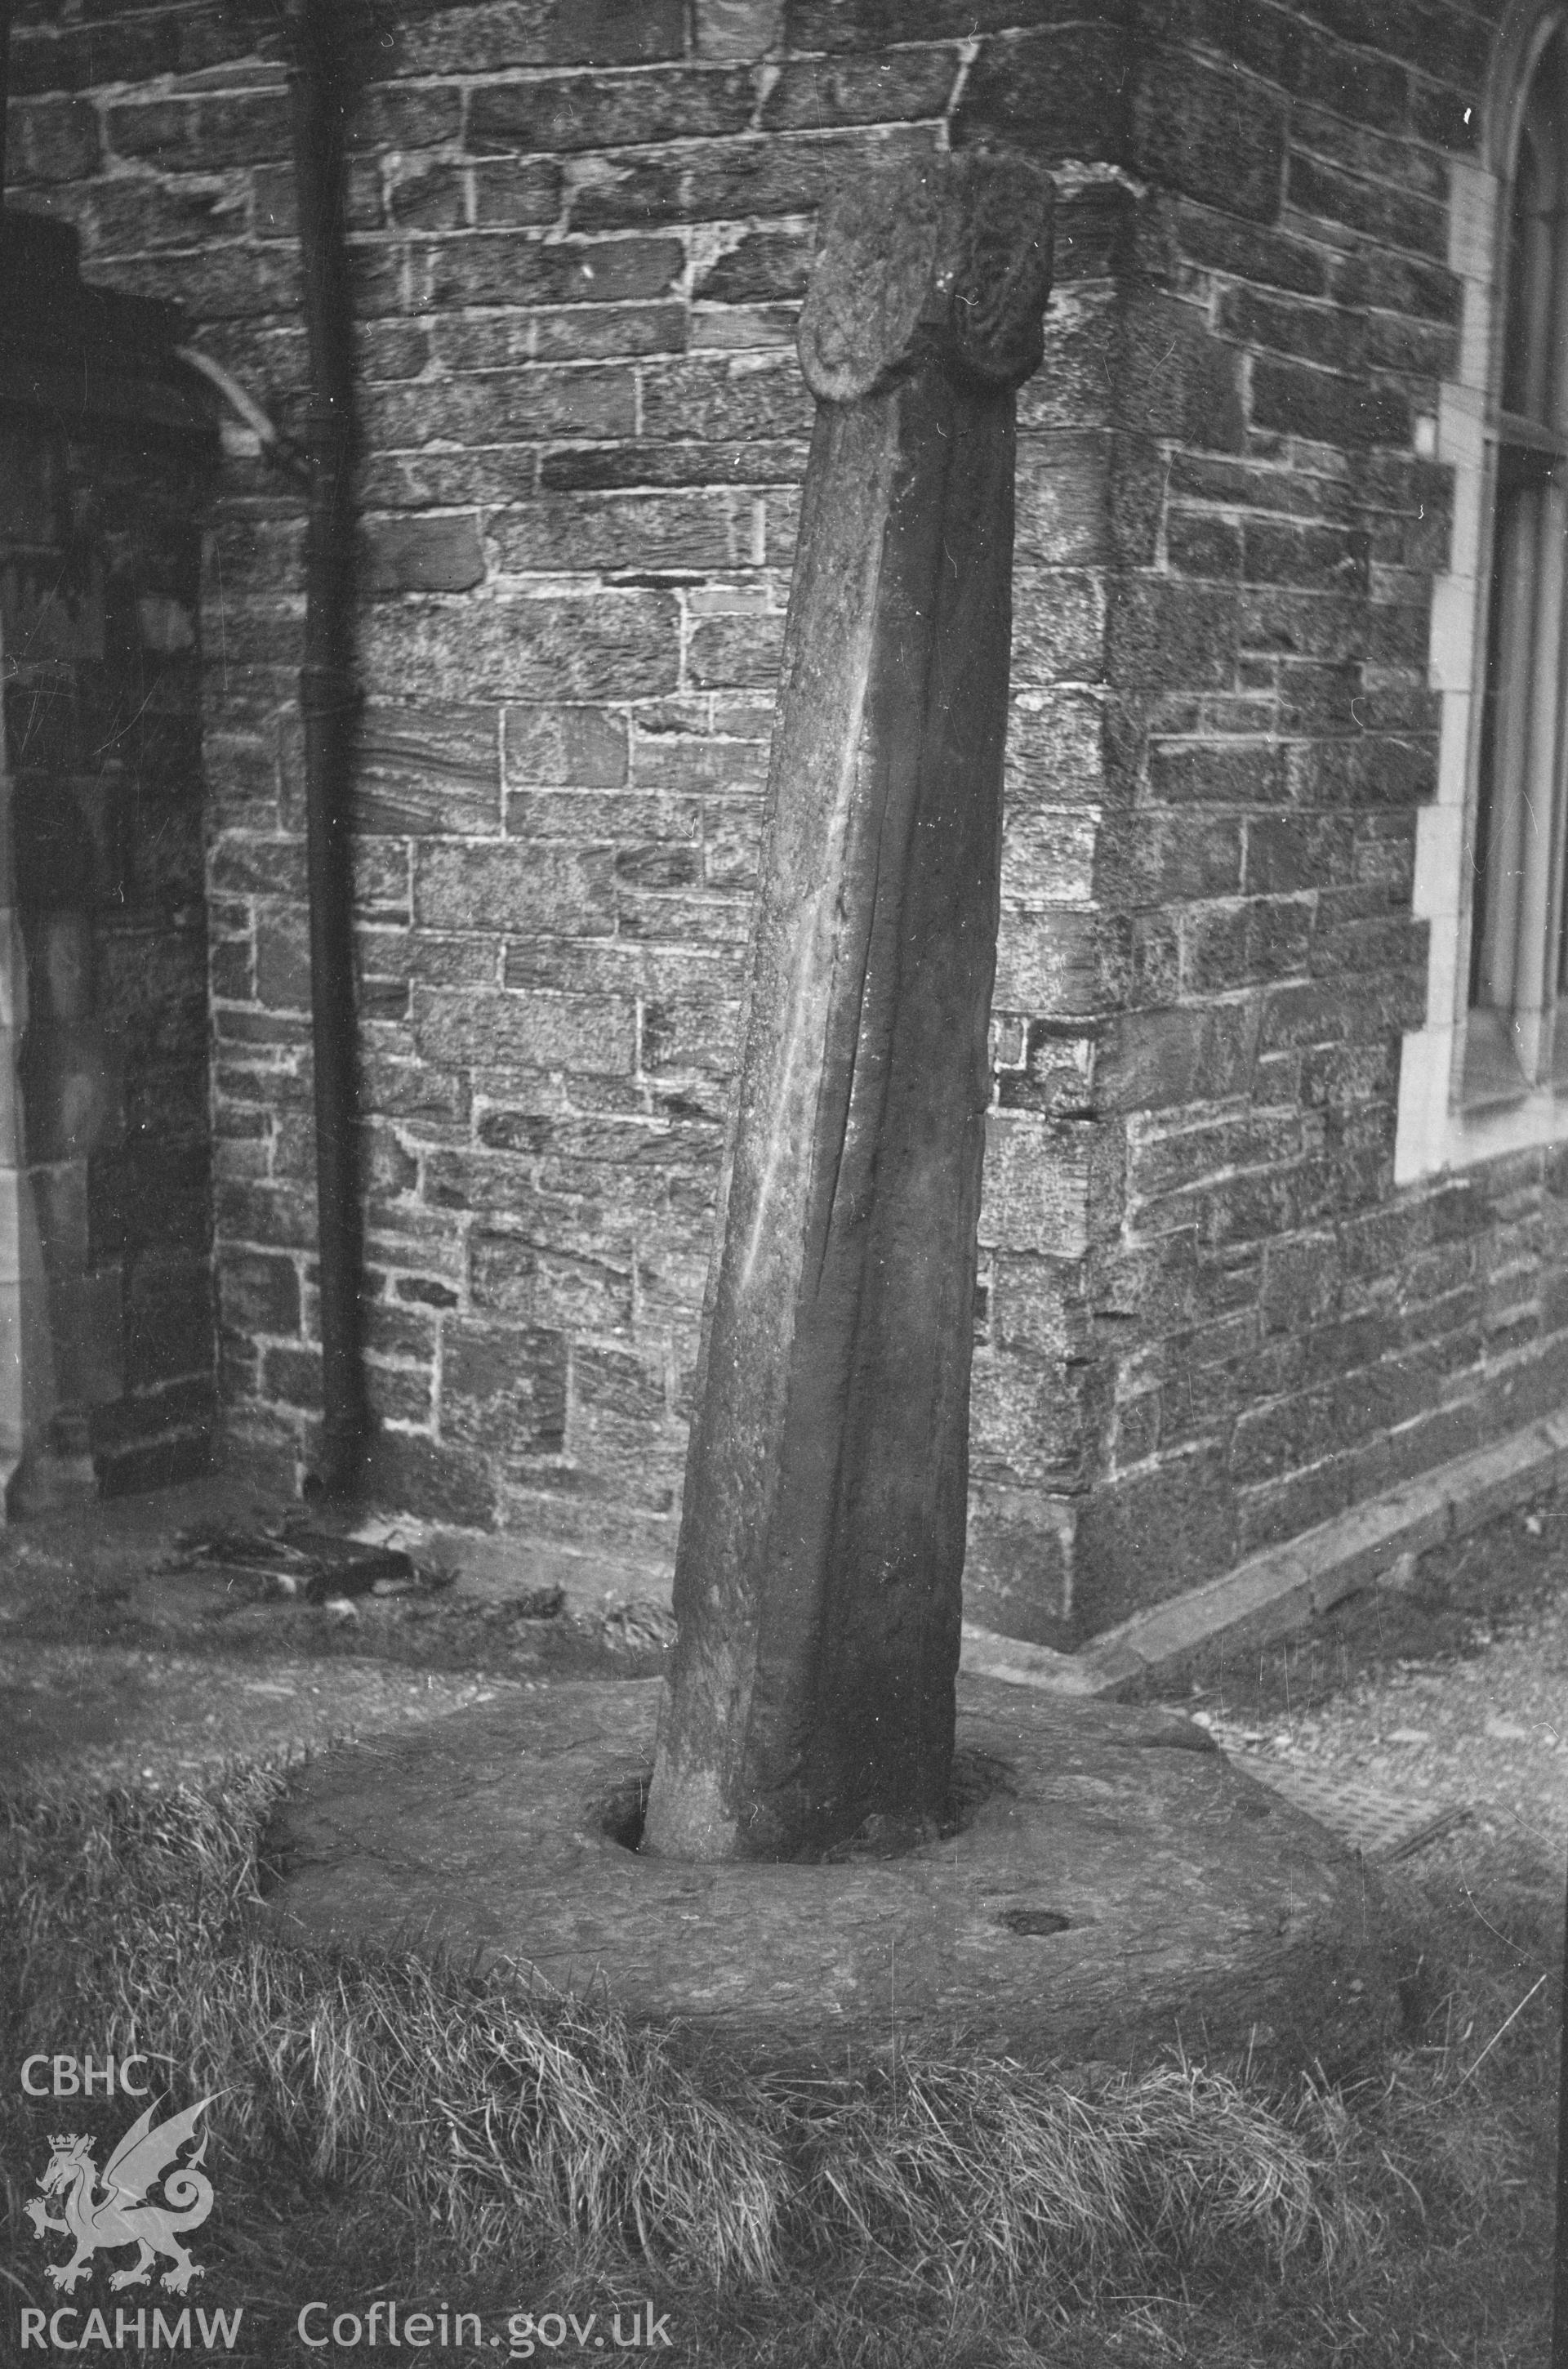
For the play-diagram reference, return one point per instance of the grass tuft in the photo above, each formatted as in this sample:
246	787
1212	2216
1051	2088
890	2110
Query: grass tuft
489	2112
966	2170
499	2116
405	2120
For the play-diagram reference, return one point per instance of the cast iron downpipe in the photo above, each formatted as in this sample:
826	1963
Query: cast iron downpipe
317	82
1559	2280
5	86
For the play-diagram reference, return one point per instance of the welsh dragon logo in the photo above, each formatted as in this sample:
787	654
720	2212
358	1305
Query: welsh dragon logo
123	2215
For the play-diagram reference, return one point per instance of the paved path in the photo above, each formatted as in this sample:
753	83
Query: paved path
1490	1732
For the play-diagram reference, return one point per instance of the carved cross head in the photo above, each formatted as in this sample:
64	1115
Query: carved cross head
940	258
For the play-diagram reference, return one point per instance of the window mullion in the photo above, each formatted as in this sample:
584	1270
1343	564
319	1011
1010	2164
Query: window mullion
1515	560
1539	833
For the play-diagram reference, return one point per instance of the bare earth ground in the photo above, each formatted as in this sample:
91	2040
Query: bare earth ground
125	1656
129	1656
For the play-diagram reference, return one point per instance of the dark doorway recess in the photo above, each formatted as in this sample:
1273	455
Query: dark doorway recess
106	1304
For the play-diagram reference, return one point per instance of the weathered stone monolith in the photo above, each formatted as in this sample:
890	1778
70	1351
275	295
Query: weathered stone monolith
818	1578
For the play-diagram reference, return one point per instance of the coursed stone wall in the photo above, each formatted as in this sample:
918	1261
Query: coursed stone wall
579	235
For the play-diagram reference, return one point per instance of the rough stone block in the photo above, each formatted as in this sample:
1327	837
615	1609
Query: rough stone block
1136	1535
677	1039
761	267
1448	119
500	268
1331	339
1154	859
257	1291
1198	543
1047	858
52	58
1058	627
400	115
618	1381
1317	558
1271	258
837	25
1201	129
558	533
710	181
53	140
1379	209
483	36
1323	1013
1048	95
524	1030
1342	76
1017	1571
292	1377
1063	498
1036	1185
434	196
572	746
550	1288
515	193
1025	1423
1372	279
1048	962
1325	408
396	1395
481	406
423	554
736	653
1172	377
1264	938
434	1480
1162	636
1380	942
611	645
607	111
422	771
1055	746
1150	1061
738	28
660	864
1298	852
812	94
713	402
512	889
503	1388
283	963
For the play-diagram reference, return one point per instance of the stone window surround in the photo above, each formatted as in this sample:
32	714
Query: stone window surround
1437	1131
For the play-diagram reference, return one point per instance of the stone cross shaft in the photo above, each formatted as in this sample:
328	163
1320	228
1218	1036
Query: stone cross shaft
821	1552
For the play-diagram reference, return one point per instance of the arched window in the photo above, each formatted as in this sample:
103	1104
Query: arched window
1519	955
1487	1073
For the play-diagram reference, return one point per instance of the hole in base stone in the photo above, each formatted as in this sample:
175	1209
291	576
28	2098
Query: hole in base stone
1035	1920
624	1809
